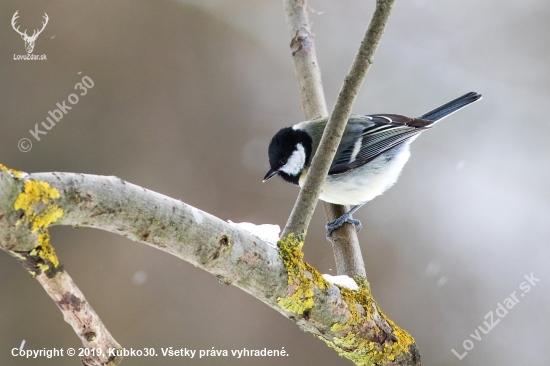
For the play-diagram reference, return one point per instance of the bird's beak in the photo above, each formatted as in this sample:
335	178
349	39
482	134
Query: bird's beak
270	174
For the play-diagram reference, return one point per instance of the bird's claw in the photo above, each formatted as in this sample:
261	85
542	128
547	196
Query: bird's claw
337	223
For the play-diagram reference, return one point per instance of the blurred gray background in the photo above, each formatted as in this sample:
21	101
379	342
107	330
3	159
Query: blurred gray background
187	95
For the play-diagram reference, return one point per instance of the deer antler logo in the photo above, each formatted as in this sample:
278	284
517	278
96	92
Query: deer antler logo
29	41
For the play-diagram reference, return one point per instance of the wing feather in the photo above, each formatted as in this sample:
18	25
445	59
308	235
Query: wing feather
382	133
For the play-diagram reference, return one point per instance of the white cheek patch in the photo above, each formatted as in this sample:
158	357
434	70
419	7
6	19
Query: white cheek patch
296	162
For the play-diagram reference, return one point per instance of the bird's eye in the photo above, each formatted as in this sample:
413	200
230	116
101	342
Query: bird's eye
282	161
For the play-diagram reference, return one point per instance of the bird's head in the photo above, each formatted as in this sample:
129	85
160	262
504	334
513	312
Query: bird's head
289	153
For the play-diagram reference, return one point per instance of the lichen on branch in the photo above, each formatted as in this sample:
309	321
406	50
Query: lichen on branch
383	342
39	211
36	193
347	320
367	336
34	207
301	276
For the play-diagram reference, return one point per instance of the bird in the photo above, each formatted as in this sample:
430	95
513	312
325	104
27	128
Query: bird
370	157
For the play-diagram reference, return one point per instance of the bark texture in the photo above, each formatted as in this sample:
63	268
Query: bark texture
27	208
349	321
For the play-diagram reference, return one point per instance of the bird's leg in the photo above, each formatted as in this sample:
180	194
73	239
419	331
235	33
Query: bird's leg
336	223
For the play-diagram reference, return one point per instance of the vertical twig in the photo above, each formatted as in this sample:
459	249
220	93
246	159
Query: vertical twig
345	244
306	67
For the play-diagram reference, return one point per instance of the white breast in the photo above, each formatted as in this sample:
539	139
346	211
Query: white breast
362	184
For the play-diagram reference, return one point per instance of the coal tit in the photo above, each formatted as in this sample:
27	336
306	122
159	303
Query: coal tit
369	159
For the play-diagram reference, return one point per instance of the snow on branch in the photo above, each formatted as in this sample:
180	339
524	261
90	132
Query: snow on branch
347	320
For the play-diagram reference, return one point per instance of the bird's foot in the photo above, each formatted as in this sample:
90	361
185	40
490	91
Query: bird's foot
337	223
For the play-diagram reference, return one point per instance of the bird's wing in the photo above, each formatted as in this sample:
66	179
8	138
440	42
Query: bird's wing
380	133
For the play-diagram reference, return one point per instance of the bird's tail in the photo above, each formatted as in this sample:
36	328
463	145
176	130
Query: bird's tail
451	107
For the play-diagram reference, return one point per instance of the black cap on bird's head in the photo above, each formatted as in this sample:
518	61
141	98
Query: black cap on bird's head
289	152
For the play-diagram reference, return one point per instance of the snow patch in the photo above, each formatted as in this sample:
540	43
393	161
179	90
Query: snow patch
266	232
343	281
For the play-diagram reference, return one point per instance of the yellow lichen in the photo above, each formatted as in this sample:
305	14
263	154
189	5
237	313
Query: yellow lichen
16	173
45	251
302	279
365	353
38	192
39	212
301	276
41	259
360	350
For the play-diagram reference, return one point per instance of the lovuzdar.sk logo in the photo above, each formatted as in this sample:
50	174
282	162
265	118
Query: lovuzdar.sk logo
29	40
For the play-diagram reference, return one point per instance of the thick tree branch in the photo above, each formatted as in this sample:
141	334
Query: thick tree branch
349	321
24	234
